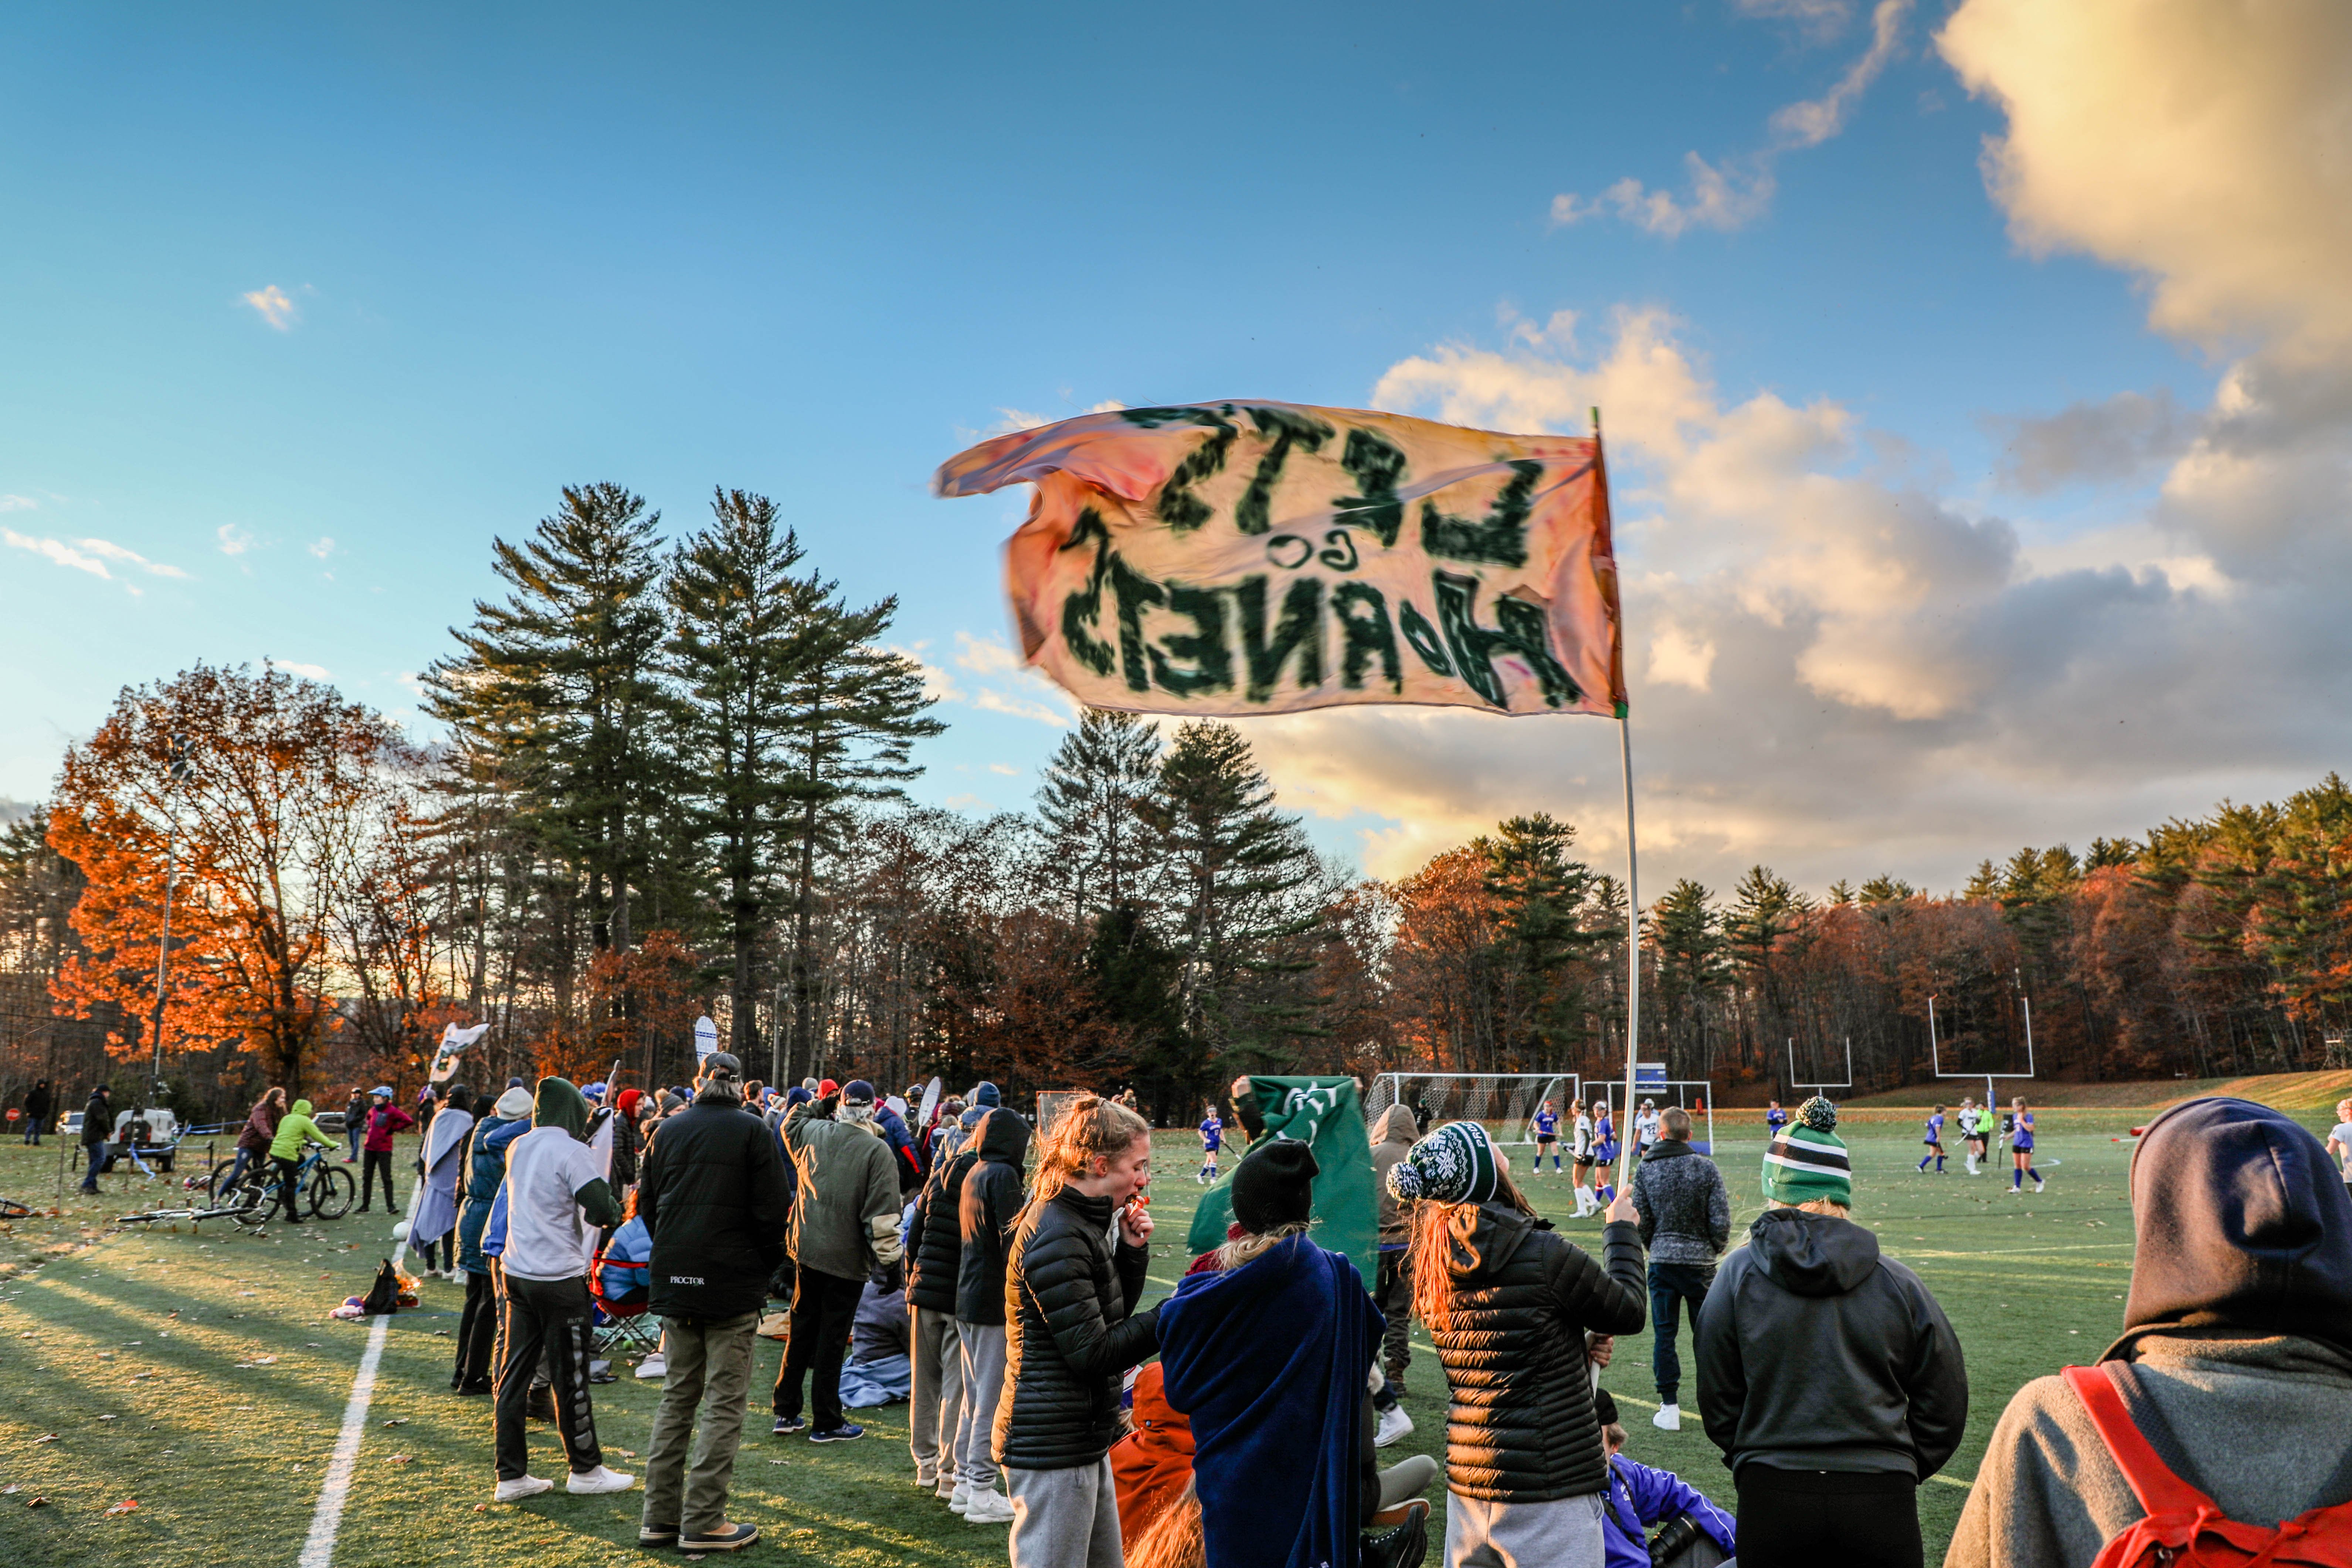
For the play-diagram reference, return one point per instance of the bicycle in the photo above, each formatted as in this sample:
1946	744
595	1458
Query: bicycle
329	1189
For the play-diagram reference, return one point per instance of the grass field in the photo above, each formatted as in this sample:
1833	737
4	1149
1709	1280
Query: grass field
145	1354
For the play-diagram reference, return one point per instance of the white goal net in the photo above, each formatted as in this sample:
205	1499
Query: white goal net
1506	1102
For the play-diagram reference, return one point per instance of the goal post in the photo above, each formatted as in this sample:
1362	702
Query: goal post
1691	1094
1051	1103
1505	1102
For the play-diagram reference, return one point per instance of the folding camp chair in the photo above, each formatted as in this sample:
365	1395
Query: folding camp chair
622	1321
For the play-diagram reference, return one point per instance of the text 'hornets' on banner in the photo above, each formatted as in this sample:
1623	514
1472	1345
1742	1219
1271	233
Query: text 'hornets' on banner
1224	558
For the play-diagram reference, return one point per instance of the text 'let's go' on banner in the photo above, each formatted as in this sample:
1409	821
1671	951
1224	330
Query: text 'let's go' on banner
1233	558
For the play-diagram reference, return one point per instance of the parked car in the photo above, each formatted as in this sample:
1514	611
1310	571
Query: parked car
331	1122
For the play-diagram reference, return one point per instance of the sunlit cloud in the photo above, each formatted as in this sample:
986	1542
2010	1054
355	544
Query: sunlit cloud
307	671
1735	192
273	306
233	541
321	548
18	503
91	555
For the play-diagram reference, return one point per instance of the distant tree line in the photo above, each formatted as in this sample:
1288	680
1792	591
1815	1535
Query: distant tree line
672	782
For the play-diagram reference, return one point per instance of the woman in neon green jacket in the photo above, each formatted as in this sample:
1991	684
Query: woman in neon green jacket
296	1134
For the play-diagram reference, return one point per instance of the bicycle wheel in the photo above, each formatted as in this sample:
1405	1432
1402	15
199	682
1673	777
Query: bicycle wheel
331	1191
214	1181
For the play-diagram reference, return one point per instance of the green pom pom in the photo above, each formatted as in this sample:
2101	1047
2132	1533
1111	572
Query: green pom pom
1818	1114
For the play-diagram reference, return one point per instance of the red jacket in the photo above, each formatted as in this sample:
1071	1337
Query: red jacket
381	1123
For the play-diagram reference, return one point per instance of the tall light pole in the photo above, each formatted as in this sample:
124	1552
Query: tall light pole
182	771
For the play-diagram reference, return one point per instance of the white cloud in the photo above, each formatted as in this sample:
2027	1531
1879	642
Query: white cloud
985	655
233	541
90	555
1737	191
994	701
1840	668
2207	149
273	306
322	547
307	671
1007	769
18	503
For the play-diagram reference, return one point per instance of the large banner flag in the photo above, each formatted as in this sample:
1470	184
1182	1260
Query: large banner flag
1228	558
1324	1114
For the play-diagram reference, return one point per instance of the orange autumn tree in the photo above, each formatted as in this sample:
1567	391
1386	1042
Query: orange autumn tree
271	825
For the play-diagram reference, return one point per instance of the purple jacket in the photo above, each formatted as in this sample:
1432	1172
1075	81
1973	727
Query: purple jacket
1640	1496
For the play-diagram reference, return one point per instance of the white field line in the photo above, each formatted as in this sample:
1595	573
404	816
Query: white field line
327	1519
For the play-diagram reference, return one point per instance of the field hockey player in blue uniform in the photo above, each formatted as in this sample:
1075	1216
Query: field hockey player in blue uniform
1935	1142
1604	1153
1775	1119
2020	1148
1548	1137
1213	1138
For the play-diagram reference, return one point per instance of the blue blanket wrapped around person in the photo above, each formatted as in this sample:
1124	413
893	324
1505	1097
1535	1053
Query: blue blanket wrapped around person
1269	1361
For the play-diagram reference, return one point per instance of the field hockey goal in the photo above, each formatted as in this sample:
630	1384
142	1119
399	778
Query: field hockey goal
1694	1095
1505	1102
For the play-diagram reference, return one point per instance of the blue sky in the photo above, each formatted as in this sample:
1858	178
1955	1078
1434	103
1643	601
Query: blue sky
297	310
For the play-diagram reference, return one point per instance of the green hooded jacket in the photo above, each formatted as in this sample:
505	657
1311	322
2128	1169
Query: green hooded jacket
296	1132
559	1103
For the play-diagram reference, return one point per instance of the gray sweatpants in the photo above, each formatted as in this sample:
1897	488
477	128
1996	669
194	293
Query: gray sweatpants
1069	1518
1563	1534
981	1346
935	1409
688	1473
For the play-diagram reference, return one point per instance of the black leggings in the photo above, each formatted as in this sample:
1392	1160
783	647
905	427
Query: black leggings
478	1331
376	1160
1802	1519
288	1192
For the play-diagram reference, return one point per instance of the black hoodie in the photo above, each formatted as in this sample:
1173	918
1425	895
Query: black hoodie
986	1210
1817	1353
2242	1227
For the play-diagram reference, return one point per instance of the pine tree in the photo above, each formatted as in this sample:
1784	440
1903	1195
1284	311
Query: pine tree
1243	894
561	684
855	712
1685	931
1093	798
745	627
1540	894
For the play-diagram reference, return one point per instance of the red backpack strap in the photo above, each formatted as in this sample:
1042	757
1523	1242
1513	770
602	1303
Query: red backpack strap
2160	1492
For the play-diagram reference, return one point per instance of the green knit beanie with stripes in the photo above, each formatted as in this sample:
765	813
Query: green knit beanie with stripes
1808	1158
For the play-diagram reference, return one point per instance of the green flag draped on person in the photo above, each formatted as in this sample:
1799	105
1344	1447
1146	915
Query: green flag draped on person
1324	1114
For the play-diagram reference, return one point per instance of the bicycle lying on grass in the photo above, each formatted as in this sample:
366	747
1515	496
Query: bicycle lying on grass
253	1197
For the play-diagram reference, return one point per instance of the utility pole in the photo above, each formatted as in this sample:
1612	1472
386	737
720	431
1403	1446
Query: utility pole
182	771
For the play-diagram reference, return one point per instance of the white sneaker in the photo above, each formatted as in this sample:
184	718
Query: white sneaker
1669	1418
2037	1186
523	1487
948	1487
1395	1423
927	1479
653	1366
960	1498
991	1506
597	1480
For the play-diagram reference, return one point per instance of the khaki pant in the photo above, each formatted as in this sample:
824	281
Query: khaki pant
710	1367
936	1403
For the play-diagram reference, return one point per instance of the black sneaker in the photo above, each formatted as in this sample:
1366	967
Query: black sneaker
726	1538
786	1424
848	1431
1404	1547
470	1390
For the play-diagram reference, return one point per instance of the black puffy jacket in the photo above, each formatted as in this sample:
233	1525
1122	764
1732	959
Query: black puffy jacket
1520	1427
987	1209
1815	1352
935	1236
1069	1334
710	1189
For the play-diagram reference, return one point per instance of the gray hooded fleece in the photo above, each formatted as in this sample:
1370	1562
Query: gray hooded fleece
2238	1340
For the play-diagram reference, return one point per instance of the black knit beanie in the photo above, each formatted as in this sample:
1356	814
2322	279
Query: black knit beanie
1275	1186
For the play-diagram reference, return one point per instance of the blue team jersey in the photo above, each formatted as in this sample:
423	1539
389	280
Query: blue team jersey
1776	1119
2023	1137
1547	1124
1213	1134
1935	1130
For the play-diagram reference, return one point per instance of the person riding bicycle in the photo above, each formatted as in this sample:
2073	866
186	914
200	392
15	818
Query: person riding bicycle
296	1134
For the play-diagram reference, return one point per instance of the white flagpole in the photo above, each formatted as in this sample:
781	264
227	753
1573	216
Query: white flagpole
1632	958
1632	911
